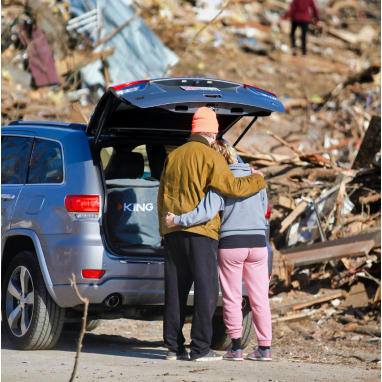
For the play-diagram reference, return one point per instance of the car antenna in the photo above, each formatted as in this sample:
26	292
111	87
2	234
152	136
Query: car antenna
245	131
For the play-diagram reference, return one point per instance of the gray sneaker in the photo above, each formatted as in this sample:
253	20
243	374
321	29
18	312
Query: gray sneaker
176	356
210	356
260	355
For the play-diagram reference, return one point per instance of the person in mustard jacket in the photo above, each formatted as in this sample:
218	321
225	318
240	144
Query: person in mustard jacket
191	252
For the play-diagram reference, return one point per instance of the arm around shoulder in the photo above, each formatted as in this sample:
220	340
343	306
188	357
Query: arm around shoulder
223	181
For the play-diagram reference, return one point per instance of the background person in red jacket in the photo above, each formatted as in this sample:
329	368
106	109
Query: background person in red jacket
300	11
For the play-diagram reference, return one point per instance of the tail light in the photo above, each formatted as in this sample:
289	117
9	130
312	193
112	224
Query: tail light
92	273
268	214
83	206
262	90
128	84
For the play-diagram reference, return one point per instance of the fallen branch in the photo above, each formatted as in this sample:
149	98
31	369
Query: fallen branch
370	199
83	329
285	143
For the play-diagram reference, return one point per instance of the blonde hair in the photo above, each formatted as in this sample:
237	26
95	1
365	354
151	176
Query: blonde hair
228	152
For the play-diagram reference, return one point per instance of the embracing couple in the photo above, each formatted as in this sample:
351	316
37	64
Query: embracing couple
211	209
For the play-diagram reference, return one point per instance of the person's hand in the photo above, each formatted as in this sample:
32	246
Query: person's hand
318	24
170	220
253	171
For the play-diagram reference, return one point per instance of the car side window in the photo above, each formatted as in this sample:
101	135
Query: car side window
15	152
46	165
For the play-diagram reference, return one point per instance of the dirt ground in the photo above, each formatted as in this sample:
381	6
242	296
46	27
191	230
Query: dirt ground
128	350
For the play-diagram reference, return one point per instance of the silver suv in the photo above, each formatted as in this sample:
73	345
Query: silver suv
81	199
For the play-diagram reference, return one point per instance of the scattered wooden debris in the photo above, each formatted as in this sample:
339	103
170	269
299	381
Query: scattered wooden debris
318	301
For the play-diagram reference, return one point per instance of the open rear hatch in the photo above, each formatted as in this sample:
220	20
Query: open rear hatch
166	106
160	109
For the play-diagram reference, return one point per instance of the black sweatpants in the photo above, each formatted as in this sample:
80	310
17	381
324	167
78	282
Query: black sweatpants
304	30
190	258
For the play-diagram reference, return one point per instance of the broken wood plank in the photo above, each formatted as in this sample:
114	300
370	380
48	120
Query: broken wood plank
358	245
368	330
286	202
70	62
346	36
316	159
293	216
293	317
76	114
318	301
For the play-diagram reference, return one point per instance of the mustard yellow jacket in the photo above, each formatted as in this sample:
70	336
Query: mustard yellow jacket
188	173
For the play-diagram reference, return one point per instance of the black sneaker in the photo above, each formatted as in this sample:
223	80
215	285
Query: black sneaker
176	356
210	356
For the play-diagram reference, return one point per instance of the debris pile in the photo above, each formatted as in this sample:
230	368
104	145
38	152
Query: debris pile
58	57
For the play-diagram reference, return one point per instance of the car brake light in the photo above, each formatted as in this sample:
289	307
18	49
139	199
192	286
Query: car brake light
82	203
262	90
127	84
92	273
268	214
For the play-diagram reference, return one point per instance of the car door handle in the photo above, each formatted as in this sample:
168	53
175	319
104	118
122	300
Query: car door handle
7	196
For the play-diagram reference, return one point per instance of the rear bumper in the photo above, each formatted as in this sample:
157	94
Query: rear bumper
133	292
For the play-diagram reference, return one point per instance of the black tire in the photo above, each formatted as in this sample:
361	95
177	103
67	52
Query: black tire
92	324
45	317
220	339
77	326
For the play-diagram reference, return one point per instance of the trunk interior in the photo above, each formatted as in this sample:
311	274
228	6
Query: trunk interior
131	171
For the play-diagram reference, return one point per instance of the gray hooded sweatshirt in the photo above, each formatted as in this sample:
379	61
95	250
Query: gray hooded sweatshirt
242	216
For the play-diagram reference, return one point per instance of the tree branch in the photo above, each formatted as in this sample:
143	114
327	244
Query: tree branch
83	329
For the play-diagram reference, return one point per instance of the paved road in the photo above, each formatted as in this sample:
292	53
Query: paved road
115	357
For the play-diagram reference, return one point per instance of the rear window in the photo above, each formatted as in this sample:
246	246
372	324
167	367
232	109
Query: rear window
15	153
107	152
139	162
46	165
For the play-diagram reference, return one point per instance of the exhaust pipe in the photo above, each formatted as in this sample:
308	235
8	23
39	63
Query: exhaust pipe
112	301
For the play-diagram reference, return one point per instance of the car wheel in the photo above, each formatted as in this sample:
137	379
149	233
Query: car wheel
77	326
92	324
31	319
220	339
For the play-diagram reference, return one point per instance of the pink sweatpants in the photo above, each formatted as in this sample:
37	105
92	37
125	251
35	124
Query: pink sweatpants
252	263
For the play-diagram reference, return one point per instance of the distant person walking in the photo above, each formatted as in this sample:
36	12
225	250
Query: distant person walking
300	12
189	173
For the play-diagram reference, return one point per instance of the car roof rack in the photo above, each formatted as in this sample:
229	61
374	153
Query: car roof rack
66	125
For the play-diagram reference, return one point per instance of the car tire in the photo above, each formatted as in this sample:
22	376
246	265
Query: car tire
31	318
77	326
220	339
92	324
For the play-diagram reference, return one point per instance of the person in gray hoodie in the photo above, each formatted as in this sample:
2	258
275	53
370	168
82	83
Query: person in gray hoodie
242	252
